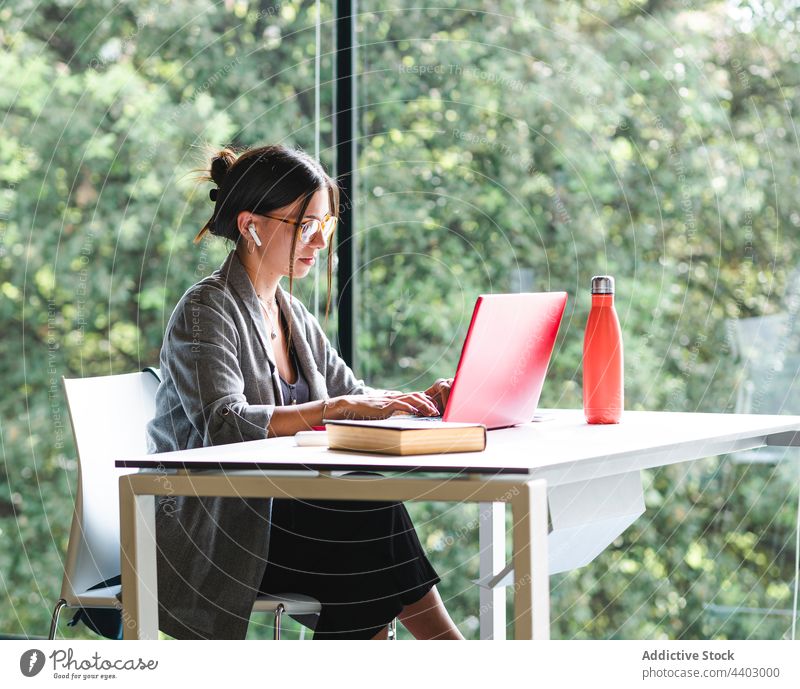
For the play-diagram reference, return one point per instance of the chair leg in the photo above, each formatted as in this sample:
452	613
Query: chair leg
54	622
278	613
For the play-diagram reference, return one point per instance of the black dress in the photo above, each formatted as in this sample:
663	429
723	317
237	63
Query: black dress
361	559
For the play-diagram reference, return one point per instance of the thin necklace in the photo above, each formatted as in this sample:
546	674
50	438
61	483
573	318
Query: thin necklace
274	333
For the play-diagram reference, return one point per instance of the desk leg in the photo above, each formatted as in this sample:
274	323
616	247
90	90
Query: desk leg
492	549
138	562
531	568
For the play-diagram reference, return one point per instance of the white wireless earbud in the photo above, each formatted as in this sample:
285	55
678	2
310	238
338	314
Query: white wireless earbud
254	234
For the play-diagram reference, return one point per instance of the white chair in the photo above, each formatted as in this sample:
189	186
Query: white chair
109	415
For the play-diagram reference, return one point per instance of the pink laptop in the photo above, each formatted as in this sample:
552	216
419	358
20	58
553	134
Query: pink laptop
505	358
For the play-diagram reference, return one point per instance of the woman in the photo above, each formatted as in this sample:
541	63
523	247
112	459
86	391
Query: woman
243	360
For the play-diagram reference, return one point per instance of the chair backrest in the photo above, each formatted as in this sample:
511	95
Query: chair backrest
109	415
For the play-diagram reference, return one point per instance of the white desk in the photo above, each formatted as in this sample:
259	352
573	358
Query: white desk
586	477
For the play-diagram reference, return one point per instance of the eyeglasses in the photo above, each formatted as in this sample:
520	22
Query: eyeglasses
308	229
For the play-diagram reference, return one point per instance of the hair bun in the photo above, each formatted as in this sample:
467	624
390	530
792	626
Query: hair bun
220	164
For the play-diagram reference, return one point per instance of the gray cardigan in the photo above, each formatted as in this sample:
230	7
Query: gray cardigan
220	385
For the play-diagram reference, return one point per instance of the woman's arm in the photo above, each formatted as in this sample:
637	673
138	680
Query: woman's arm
201	353
288	420
291	419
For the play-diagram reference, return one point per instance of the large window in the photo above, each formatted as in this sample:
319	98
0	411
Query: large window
517	146
107	109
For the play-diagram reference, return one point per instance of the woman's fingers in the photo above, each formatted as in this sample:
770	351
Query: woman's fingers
444	391
417	402
396	404
380	406
406	404
439	392
424	403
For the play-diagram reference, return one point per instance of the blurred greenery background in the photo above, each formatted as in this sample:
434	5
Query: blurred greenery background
504	146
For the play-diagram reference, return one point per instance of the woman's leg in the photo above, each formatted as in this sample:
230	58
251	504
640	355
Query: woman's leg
382	635
429	619
383	565
363	561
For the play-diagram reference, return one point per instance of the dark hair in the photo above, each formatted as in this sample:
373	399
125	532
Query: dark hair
261	180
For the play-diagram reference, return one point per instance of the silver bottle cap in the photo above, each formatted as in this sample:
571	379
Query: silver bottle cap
602	284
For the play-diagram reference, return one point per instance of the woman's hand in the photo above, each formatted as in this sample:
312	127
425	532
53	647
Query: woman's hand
379	406
439	392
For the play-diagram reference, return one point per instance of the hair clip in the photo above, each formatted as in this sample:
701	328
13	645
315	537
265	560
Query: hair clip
213	194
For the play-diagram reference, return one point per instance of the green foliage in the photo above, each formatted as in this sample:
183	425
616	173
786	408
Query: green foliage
503	146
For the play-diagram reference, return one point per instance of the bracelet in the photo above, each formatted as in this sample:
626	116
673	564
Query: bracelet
324	409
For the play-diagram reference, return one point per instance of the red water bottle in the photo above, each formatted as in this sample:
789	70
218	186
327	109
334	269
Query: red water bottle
603	393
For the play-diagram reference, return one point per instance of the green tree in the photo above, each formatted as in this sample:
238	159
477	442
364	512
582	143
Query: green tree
503	146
